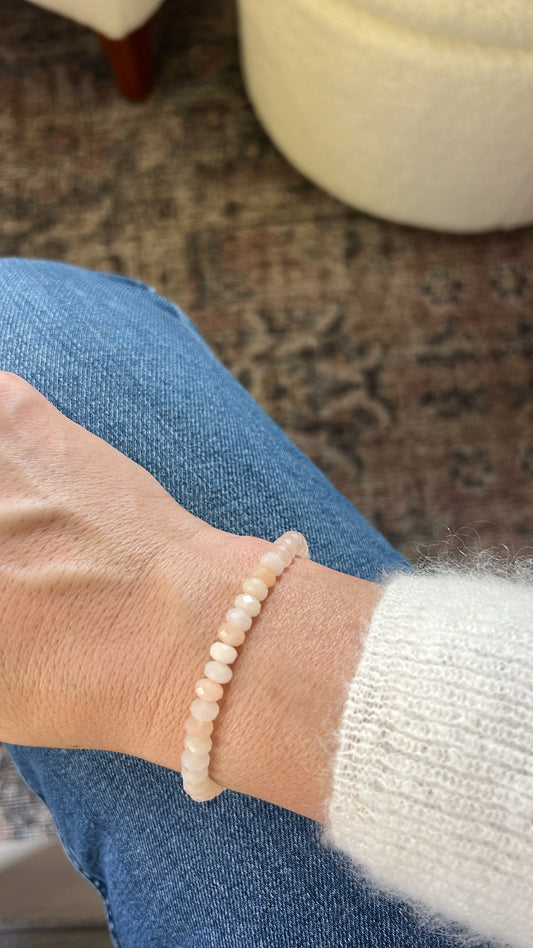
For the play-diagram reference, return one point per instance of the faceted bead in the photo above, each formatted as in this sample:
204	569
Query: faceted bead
292	539
284	551
197	728
273	561
218	671
231	634
195	779
204	710
225	654
194	762
248	604
208	690
255	587
198	745
297	541
239	617
264	573
205	791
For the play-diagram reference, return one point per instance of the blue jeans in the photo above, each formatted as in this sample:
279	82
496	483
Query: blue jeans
236	872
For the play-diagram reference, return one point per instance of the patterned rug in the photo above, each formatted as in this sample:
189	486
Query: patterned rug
399	360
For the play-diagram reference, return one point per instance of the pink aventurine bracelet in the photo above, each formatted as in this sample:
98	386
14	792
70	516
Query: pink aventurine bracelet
232	633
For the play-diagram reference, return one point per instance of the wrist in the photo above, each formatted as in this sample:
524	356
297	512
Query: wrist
193	585
275	735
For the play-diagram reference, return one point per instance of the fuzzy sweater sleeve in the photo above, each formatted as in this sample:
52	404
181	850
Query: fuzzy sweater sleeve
433	775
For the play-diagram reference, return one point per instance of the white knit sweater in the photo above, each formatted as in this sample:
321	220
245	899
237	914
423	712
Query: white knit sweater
433	777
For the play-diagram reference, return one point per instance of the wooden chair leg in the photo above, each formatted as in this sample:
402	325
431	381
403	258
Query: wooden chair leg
131	62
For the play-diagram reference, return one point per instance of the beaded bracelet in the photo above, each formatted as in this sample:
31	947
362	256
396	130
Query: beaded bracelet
232	633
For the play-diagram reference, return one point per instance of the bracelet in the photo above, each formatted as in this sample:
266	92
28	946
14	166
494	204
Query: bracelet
232	633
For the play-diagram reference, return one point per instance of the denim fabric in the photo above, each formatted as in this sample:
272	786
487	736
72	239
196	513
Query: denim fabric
126	364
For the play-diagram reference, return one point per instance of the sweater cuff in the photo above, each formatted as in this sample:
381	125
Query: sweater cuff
433	780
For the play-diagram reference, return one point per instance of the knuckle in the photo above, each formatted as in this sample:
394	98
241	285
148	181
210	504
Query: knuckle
13	386
16	395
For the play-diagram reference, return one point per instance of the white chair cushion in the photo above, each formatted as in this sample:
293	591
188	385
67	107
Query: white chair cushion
114	18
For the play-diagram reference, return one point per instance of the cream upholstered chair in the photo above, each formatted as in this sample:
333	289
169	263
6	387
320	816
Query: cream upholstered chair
416	111
123	28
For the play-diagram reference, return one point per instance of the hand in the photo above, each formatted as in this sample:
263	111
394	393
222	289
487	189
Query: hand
109	590
110	596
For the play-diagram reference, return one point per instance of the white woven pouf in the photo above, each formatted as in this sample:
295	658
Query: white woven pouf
420	113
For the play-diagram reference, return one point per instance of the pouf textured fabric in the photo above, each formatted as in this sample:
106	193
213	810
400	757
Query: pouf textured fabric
421	113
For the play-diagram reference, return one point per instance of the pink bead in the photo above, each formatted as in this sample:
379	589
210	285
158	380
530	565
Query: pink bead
225	654
194	762
217	671
239	617
204	710
197	728
289	541
231	634
273	561
248	604
296	541
195	779
206	791
284	551
262	572
198	745
208	690
255	587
